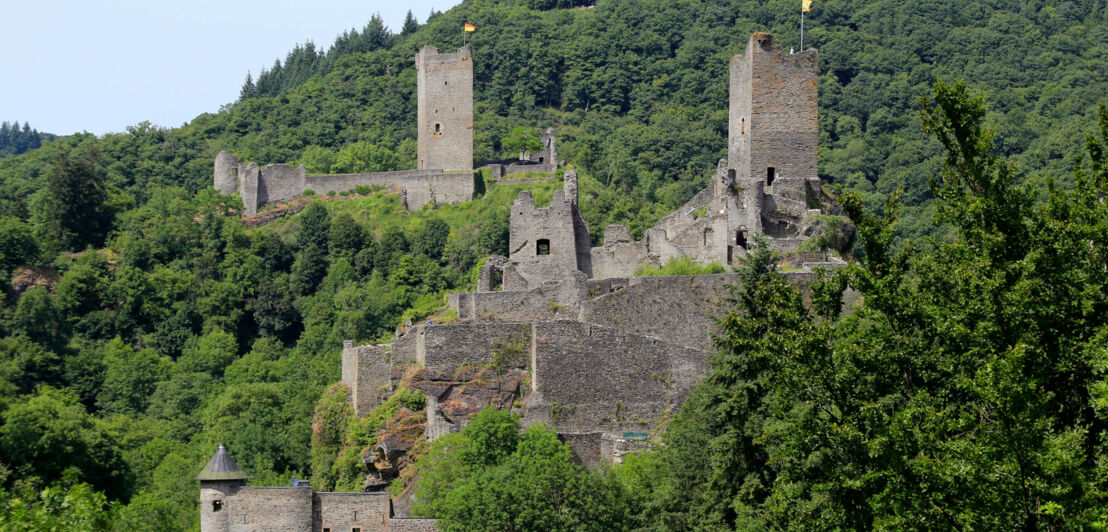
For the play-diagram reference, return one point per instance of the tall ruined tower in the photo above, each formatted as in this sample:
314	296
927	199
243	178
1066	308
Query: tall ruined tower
445	93
773	121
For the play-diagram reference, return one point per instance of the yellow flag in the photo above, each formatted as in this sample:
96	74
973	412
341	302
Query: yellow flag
805	5
469	27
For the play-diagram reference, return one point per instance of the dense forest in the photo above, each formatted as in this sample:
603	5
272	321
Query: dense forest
15	140
145	323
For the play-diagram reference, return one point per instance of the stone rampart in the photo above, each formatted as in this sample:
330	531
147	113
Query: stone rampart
550	301
592	378
265	509
339	511
677	308
367	372
446	348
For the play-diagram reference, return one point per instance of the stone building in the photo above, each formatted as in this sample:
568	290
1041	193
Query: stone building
227	504
445	145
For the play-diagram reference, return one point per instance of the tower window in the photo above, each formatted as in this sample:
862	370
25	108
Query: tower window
740	239
742	127
438	128
542	247
217	506
770	175
540	159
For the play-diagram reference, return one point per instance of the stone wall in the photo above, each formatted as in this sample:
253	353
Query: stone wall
412	525
264	509
340	512
677	308
448	347
548	301
367	372
592	378
445	109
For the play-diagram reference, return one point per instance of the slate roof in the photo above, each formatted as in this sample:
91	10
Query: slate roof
221	467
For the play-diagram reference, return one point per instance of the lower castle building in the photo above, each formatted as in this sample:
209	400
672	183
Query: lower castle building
227	504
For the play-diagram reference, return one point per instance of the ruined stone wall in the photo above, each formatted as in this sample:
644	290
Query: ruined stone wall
619	256
367	372
592	378
280	181
534	227
739	114
445	109
420	186
264	509
548	301
340	512
676	308
448	347
412	525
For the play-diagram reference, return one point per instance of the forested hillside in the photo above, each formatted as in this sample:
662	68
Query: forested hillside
145	323
15	140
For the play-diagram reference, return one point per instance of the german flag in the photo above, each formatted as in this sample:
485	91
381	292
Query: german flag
469	27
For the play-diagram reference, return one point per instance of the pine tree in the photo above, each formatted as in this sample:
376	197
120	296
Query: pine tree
410	24
248	89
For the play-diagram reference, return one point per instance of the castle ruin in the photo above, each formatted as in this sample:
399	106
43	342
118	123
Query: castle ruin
444	173
564	333
575	339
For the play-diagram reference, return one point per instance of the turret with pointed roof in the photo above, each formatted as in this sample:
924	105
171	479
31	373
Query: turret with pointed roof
222	467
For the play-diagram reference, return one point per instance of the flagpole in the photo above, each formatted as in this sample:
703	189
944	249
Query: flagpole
801	28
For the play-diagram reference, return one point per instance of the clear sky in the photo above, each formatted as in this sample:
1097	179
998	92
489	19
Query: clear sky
102	65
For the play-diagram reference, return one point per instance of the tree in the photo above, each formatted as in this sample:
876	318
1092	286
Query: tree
430	240
347	237
38	317
315	227
248	90
17	245
77	202
49	436
130	377
522	139
410	24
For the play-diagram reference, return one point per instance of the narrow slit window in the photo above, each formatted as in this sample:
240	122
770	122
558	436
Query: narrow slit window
742	127
771	174
542	247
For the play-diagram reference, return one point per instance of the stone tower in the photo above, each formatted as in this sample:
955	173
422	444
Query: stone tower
773	123
220	481
445	101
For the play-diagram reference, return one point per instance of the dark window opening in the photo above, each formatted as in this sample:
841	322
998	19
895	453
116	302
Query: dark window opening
446	83
730	254
356	529
742	127
542	247
497	281
326	529
540	159
740	239
217	506
438	128
770	175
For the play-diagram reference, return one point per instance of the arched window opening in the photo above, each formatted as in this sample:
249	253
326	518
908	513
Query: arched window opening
740	239
771	174
217	506
542	247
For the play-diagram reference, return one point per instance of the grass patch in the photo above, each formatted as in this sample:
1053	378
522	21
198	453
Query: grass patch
683	265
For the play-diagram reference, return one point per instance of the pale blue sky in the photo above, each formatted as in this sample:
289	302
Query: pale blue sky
102	65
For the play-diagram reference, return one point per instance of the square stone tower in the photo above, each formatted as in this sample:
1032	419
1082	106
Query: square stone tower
445	101
773	121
